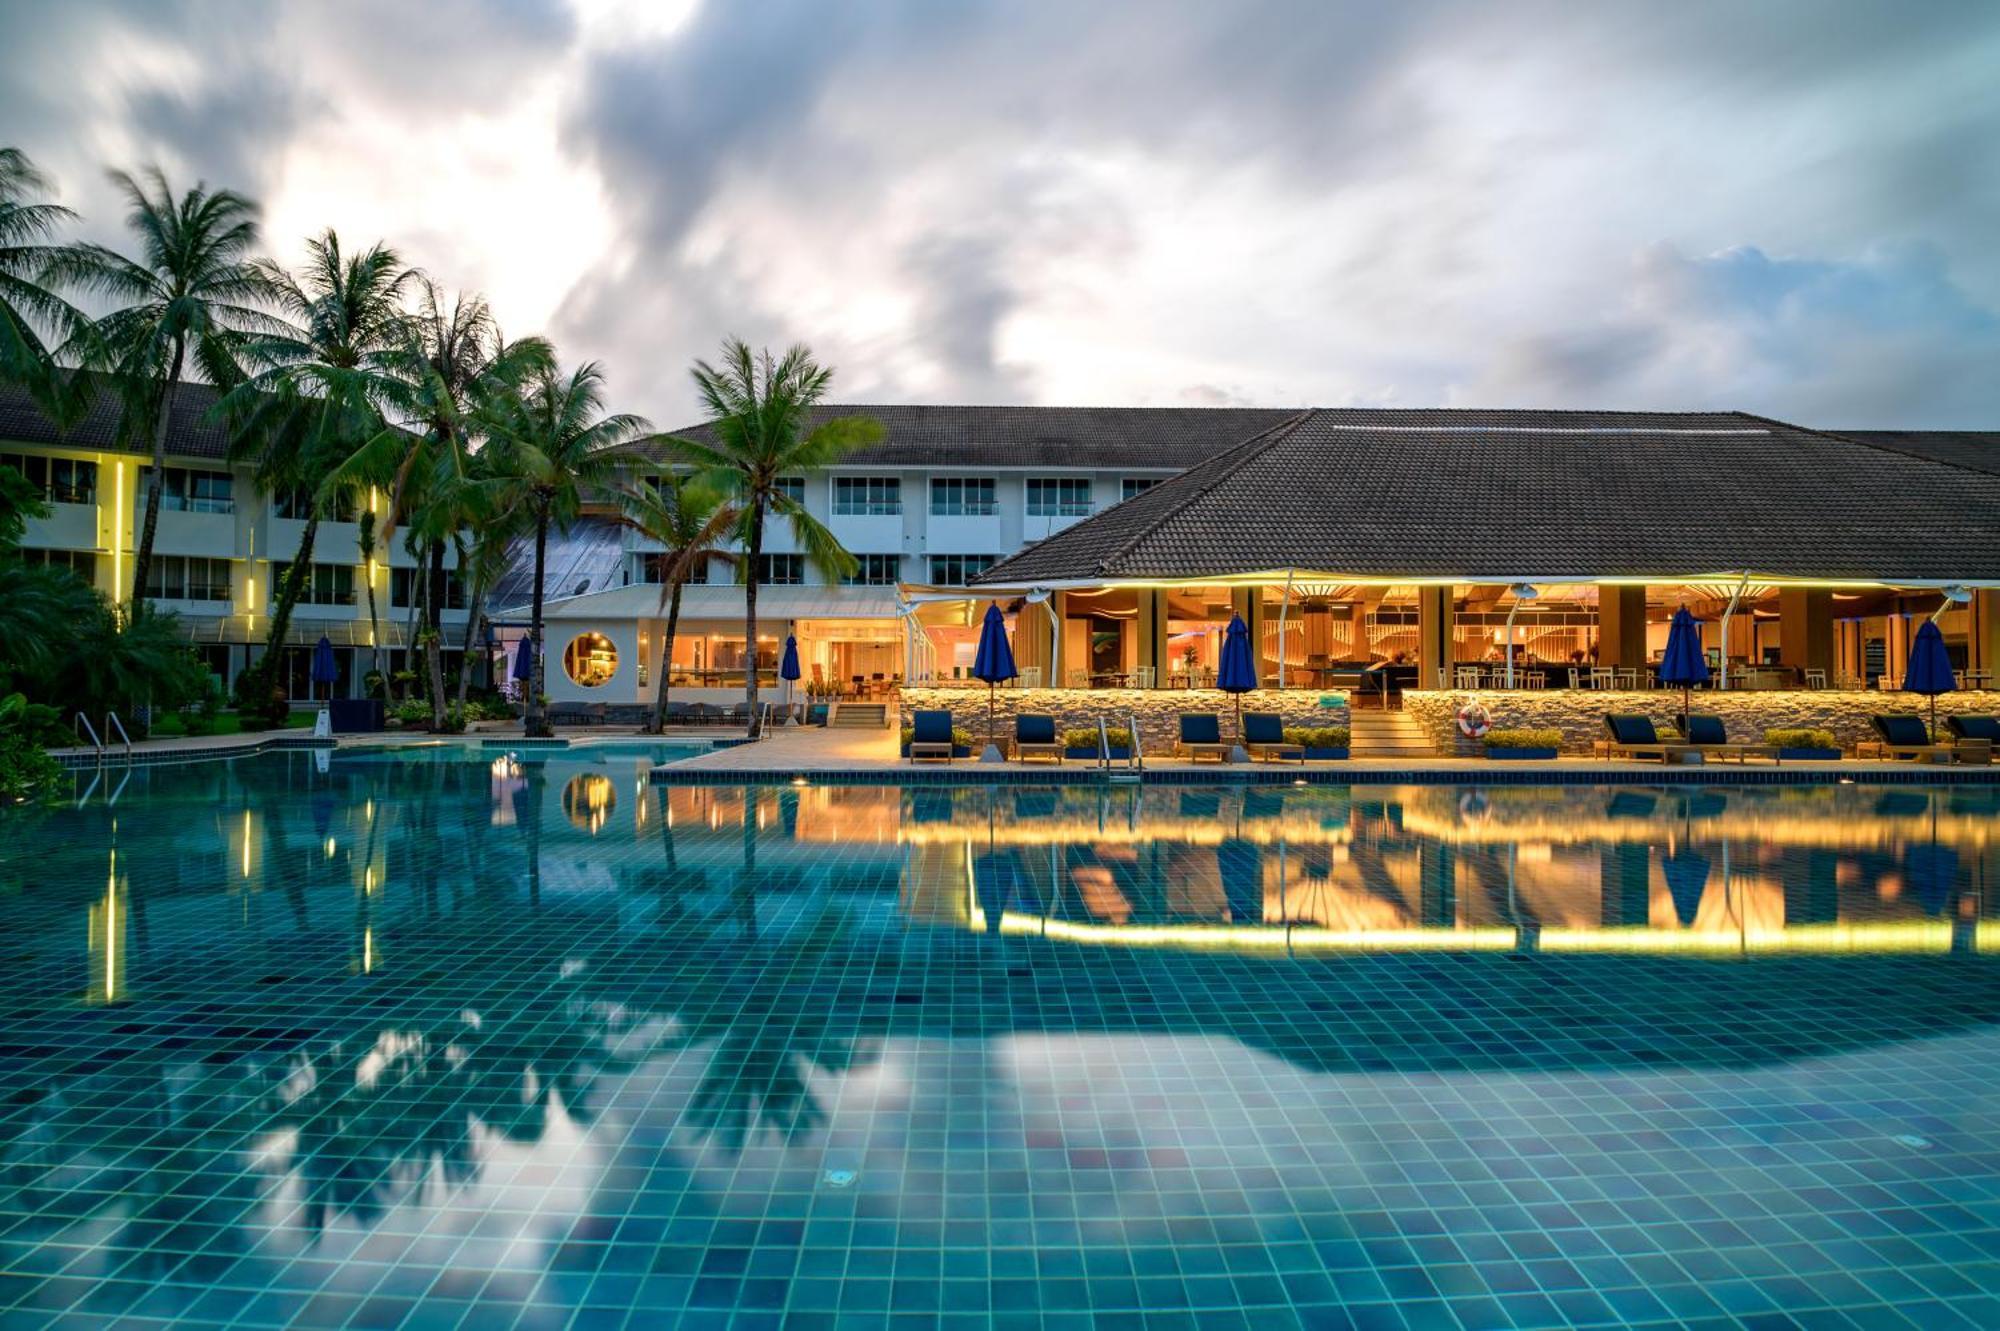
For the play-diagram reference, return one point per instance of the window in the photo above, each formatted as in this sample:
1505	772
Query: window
295	504
184	490
960	496
793	488
80	562
957	570
867	496
406	588
329	584
1062	497
1136	485
61	480
590	660
188	578
781	570
875	571
653	566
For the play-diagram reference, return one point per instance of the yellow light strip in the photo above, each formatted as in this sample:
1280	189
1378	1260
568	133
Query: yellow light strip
118	535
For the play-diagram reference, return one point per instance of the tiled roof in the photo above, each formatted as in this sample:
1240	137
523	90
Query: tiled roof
1978	449
191	435
1163	438
1548	496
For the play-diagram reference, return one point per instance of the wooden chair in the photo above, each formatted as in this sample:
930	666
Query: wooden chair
1264	737
1035	737
1201	737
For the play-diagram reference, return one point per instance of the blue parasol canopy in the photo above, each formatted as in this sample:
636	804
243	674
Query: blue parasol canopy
325	668
1684	665
1237	672
788	668
1929	670
524	661
994	661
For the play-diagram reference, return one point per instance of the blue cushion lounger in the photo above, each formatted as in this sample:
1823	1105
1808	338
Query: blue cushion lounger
1633	736
1975	727
1035	735
1708	734
1905	735
1264	737
930	736
1201	734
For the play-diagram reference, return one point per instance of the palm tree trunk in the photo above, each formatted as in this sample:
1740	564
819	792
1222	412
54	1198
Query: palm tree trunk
142	558
434	634
666	663
472	624
750	613
289	592
531	709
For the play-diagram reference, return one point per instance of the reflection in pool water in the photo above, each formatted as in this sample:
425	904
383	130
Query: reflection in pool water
509	1037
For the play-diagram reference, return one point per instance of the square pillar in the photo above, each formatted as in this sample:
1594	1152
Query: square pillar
1249	603
1805	629
1621	626
1982	631
1151	634
1434	636
1031	639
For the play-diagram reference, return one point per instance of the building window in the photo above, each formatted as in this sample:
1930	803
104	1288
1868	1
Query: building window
793	488
295	505
1135	485
963	497
61	480
874	571
185	490
406	588
653	565
957	570
189	578
329	584
1059	497
781	570
80	562
867	496
590	660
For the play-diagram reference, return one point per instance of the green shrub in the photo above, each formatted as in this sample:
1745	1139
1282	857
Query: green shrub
1524	738
26	772
1800	737
1318	737
1085	737
960	736
411	712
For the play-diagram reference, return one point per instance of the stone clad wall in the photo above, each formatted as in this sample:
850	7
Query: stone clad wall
1748	713
1158	710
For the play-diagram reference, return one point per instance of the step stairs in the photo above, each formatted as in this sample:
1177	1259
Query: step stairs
1387	734
859	716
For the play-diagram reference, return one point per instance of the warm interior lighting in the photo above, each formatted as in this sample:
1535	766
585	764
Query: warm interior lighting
118	533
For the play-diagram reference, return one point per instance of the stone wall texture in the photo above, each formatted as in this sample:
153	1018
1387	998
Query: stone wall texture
1158	710
1579	713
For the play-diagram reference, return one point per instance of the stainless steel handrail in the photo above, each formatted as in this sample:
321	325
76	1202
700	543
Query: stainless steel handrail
1138	759
90	730
111	723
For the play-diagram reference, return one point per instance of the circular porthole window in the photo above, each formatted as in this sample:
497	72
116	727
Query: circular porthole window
588	801
590	660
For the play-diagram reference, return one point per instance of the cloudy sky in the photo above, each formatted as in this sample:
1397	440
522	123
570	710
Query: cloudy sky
1788	206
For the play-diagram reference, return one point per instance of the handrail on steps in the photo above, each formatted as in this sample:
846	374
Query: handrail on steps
111	723
90	730
1138	758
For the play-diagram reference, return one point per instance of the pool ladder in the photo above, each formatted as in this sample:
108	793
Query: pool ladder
112	726
1133	760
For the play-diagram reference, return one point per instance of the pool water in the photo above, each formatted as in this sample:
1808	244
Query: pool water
501	1039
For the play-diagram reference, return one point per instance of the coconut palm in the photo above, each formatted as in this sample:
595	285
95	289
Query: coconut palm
186	304
28	307
693	523
554	445
761	429
324	386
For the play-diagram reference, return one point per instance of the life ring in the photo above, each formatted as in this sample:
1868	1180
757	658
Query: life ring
1474	720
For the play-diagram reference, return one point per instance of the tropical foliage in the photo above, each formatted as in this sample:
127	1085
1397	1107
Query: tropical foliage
694	524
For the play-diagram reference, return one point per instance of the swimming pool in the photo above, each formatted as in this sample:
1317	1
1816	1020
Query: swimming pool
521	1039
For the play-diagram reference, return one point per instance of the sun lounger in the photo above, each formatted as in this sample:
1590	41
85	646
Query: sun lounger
1264	737
1903	735
1708	734
1633	736
1973	737
930	736
1201	736
1035	737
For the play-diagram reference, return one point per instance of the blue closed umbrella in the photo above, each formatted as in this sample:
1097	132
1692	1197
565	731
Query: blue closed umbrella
325	670
1929	670
1684	663
524	661
788	670
994	661
1237	671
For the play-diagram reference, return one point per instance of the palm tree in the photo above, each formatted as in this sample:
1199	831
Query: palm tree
192	295
27	305
693	522
761	430
555	447
326	382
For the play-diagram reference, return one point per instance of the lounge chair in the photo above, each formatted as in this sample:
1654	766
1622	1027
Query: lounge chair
1264	737
1035	736
1974	727
930	736
1708	734
1201	734
1902	735
1633	736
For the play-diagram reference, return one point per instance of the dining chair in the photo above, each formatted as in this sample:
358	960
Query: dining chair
1468	677
1815	679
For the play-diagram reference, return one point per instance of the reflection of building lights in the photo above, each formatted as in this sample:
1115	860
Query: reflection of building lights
800	781
246	843
588	801
329	847
368	878
368	951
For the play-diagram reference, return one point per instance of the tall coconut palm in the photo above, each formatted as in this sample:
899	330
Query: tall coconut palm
323	389
761	430
185	304
554	446
694	524
34	319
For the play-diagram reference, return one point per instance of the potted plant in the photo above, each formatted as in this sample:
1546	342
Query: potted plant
1081	741
1803	743
1522	744
961	741
1319	741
